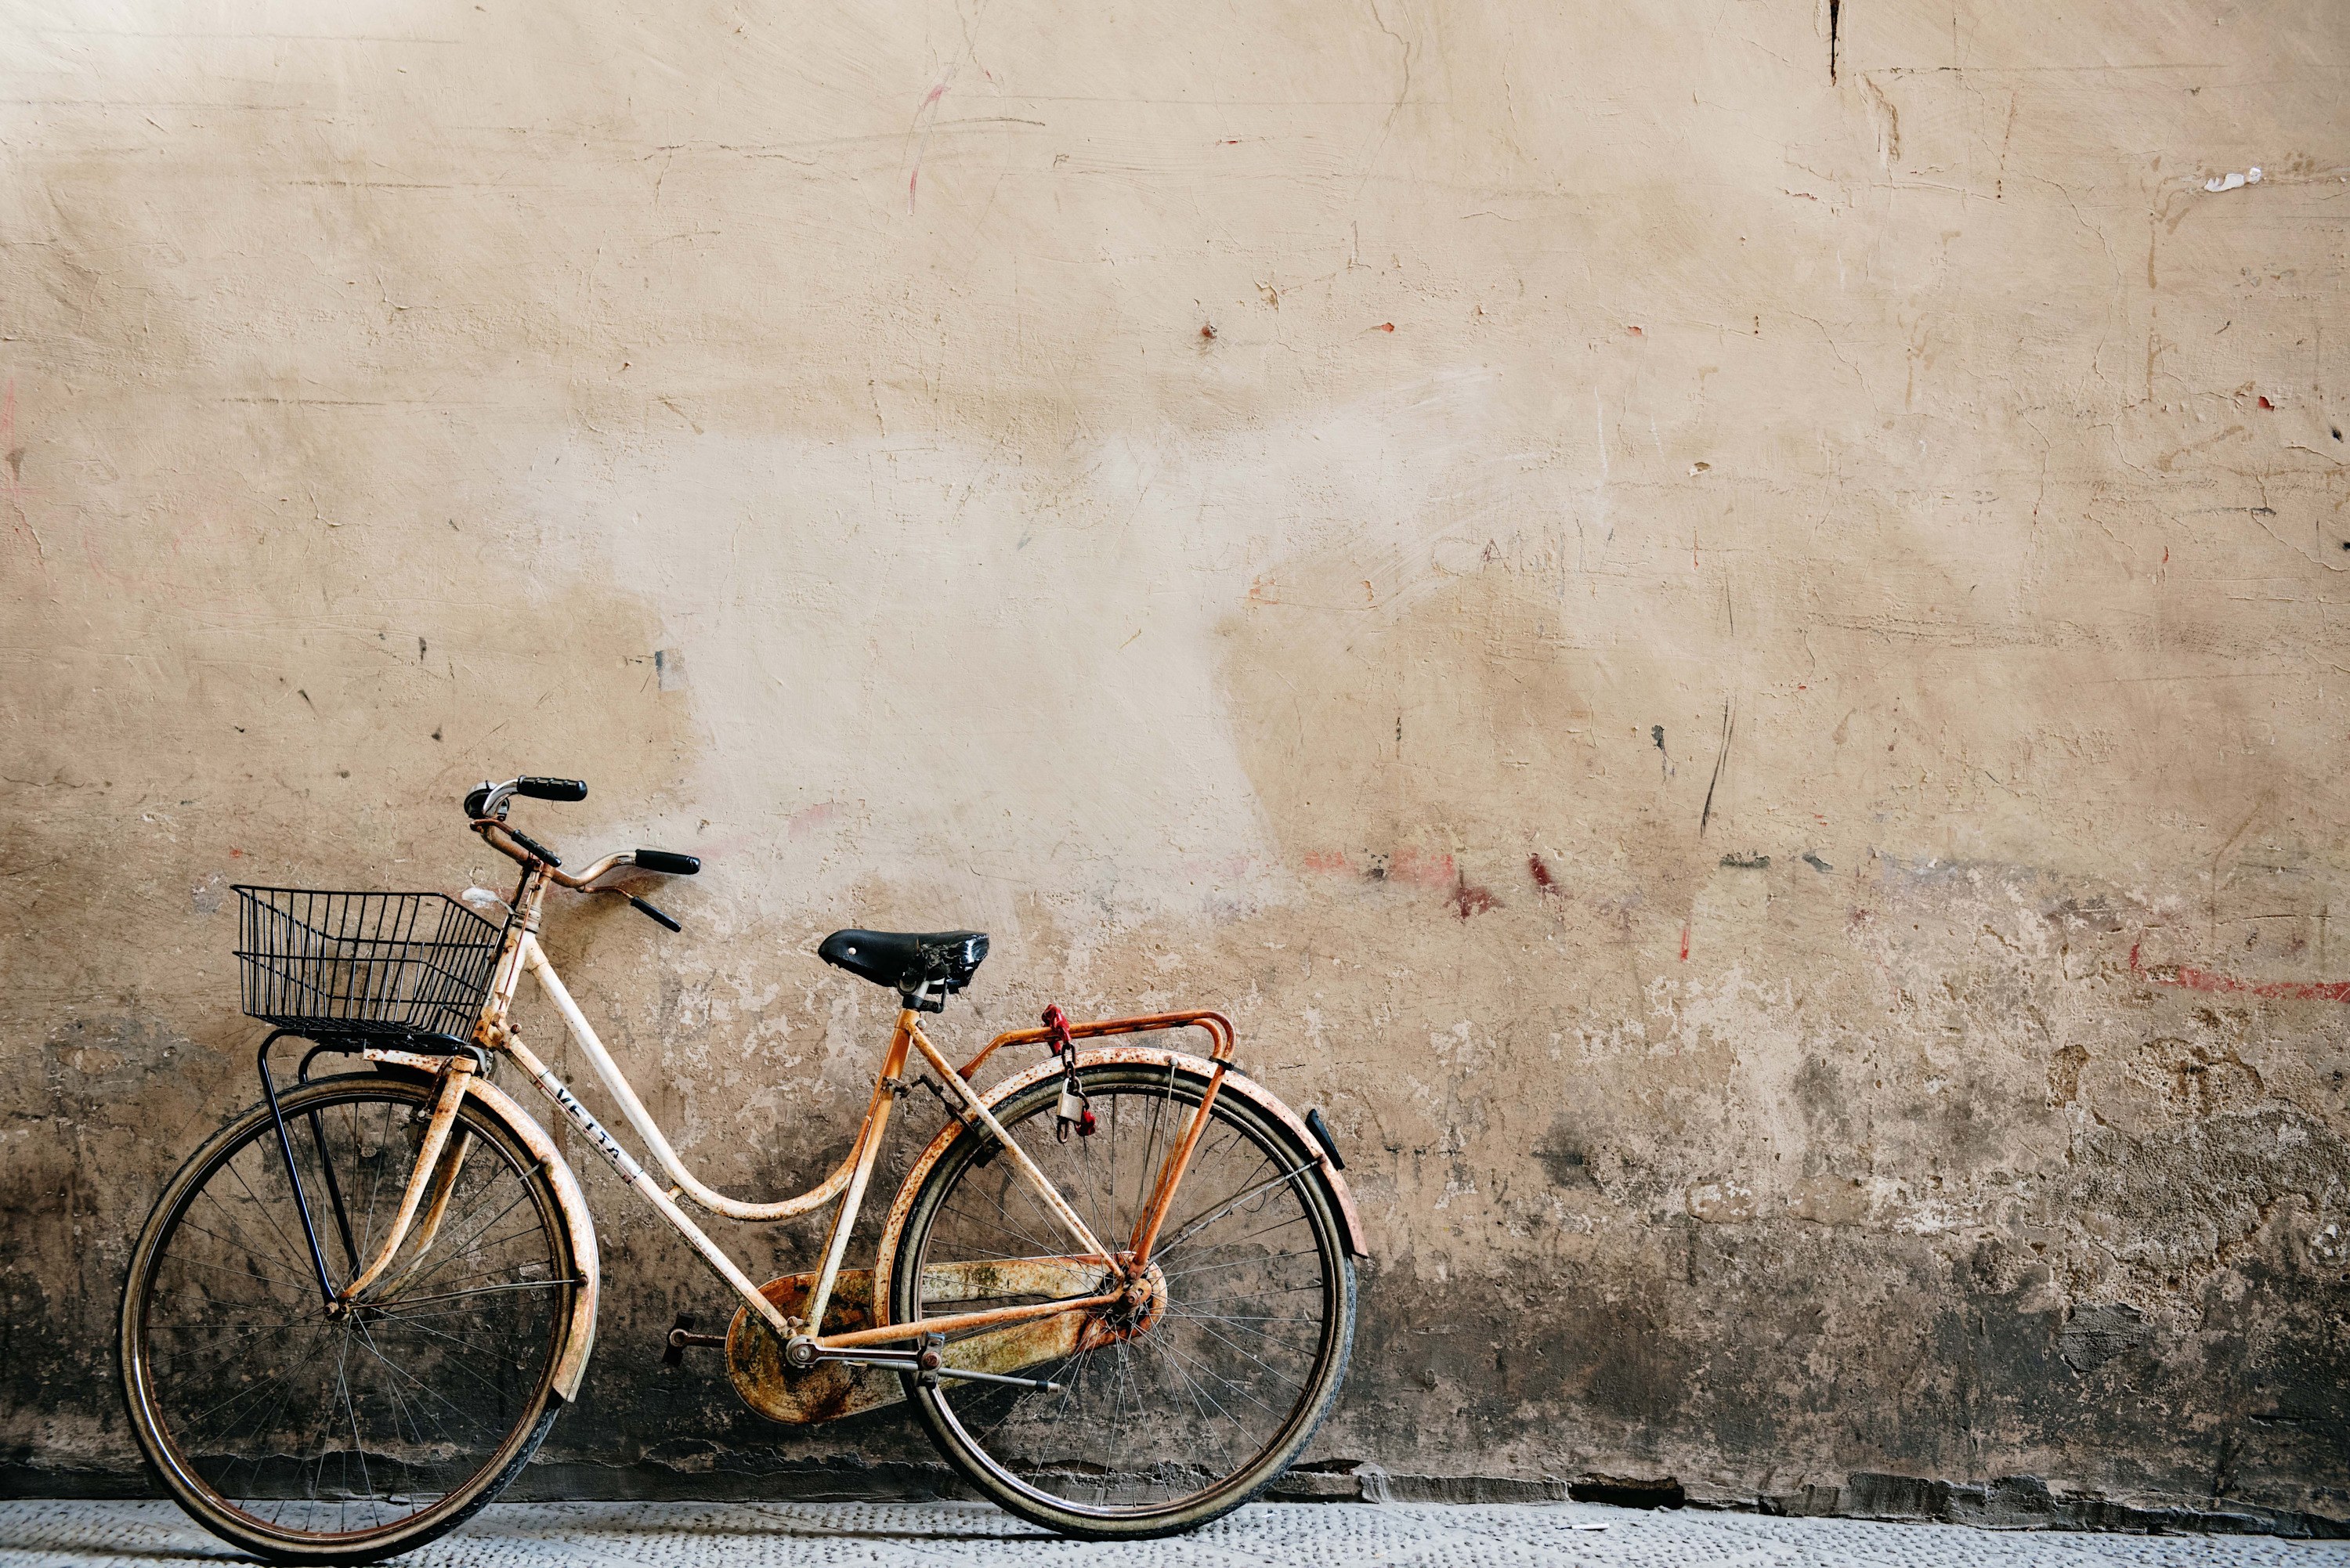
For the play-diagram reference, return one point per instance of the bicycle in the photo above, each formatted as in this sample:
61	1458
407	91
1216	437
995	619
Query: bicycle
356	1311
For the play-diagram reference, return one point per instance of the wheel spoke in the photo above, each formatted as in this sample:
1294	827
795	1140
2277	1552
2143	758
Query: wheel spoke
267	1212
477	1290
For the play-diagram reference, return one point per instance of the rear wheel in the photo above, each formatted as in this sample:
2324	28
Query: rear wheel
1173	1410
305	1435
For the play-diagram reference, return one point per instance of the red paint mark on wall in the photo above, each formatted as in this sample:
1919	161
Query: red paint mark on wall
1471	901
2189	979
1540	872
2266	404
1685	926
924	117
1384	327
1418	866
809	818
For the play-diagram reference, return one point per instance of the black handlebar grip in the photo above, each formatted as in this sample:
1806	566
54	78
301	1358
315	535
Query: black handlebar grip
551	789
667	864
645	908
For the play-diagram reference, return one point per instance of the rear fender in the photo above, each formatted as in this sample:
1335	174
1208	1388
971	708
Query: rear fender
1334	1184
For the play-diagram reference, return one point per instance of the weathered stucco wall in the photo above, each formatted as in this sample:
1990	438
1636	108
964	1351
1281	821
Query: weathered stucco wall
1719	626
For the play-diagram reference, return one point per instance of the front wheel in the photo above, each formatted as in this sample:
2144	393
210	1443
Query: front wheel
1169	1412
306	1434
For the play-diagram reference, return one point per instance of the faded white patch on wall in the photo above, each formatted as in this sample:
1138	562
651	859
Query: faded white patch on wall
891	641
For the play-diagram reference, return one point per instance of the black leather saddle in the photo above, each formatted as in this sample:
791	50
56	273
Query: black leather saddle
926	966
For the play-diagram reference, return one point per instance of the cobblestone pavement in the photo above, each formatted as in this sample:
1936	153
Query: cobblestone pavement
1291	1535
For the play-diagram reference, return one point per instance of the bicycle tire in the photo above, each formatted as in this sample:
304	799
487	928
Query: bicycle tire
277	1303
1024	1465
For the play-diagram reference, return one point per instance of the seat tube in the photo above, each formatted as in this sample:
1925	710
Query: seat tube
868	1148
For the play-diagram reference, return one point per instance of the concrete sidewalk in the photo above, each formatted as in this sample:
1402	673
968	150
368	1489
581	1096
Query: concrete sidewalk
1290	1535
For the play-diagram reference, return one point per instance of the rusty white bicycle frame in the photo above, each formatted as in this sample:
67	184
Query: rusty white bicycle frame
433	1181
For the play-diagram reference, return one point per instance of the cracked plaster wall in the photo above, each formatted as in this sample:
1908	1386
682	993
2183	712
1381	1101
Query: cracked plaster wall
1741	673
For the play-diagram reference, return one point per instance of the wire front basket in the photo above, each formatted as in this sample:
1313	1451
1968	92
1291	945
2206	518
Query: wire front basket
338	964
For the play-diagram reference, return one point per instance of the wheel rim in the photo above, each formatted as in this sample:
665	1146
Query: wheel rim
1207	1395
307	1428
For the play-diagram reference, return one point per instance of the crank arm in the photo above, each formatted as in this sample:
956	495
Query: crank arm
681	1338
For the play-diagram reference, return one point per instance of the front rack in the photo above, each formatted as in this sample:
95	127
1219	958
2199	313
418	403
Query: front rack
336	964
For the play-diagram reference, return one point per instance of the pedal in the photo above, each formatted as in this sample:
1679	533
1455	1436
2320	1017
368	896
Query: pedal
682	1337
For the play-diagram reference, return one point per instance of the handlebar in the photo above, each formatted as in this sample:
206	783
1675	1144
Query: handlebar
487	799
485	809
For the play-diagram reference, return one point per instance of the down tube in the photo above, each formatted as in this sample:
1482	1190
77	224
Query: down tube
635	1176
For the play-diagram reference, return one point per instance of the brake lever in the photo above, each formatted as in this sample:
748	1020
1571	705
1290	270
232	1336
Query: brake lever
651	913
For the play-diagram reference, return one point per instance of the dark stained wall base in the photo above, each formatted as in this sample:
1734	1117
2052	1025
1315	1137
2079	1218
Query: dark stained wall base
2027	1502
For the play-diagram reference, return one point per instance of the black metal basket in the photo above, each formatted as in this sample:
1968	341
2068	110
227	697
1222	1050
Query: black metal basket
338	964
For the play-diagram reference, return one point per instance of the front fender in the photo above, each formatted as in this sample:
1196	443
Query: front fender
1235	1082
579	1334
